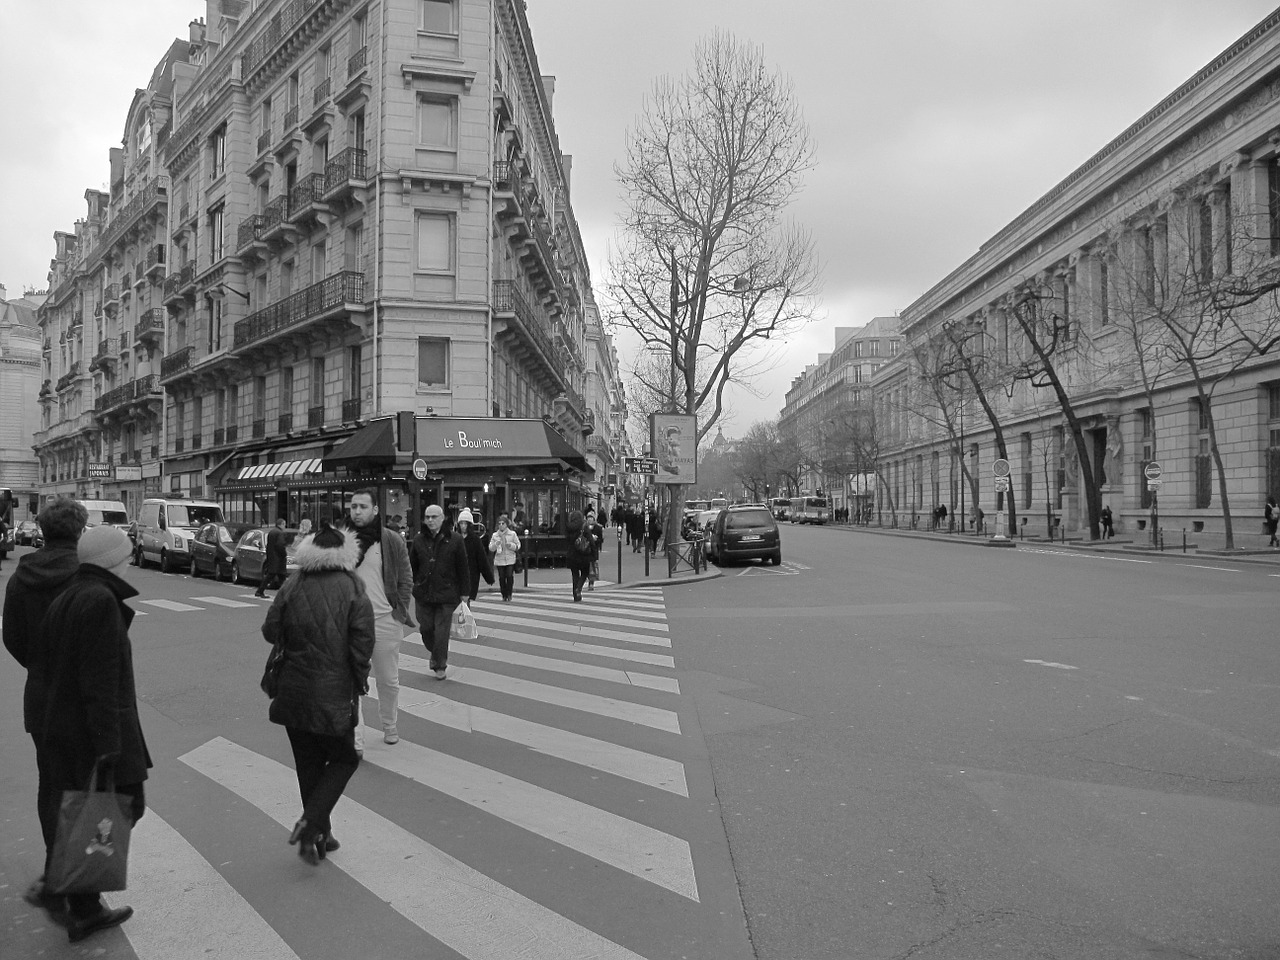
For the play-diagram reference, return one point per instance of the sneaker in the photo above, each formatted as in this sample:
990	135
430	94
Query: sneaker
390	736
77	930
439	674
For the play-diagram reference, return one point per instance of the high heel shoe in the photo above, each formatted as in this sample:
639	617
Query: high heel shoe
326	843
299	829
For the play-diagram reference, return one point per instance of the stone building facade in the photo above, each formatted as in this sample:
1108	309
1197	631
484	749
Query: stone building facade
20	363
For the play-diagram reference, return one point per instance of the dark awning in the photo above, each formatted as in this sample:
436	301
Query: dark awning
372	443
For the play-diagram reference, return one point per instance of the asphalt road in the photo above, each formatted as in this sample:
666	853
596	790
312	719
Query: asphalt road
932	749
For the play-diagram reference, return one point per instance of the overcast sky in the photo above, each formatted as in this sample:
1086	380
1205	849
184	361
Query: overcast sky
936	121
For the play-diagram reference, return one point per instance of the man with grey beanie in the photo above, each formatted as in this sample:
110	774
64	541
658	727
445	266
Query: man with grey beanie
91	708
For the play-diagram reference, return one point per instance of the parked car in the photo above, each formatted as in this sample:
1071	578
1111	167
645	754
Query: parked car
251	550
213	549
24	534
166	526
747	532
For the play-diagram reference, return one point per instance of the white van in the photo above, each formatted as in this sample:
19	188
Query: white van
110	512
166	527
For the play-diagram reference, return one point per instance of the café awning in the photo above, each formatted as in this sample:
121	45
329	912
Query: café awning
279	471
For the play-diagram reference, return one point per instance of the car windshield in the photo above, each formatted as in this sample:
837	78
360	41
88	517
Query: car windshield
738	519
192	515
107	516
232	533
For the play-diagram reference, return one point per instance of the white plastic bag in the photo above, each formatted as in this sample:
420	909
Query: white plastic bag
464	624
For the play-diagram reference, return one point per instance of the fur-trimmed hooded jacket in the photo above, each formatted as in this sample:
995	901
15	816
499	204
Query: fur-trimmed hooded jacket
325	621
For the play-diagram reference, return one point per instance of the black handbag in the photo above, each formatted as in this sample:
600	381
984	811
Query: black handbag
271	675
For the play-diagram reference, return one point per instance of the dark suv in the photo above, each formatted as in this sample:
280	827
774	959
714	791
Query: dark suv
747	532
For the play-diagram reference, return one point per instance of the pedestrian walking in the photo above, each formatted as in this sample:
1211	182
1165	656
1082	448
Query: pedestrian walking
323	620
1271	517
579	558
440	575
635	529
505	547
40	579
383	568
1108	531
652	527
276	561
304	528
477	556
596	533
90	713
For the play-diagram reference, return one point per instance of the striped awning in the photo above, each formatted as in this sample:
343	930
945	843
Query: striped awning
287	468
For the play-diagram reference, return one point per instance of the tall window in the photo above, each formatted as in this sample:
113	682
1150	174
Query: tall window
286	279
354	376
439	16
317	383
1273	203
1206	240
286	389
1273	440
433	362
436	123
353	251
218	153
1146	264
259	398
216	250
265	125
214	342
1104	292
1024	443
435	242
1144	416
1204	461
317	262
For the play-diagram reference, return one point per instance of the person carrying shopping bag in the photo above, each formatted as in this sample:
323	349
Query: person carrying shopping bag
323	623
505	547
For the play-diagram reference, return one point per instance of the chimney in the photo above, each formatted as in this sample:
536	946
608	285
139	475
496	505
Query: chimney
549	89
196	29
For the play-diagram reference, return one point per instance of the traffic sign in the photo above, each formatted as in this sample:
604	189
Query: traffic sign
1153	470
640	464
1154	485
1002	484
1000	468
420	469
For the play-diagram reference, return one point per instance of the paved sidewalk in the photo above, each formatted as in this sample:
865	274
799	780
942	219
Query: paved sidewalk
633	570
1250	545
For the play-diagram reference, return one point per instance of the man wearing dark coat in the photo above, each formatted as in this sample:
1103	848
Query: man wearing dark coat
440	575
91	709
40	579
276	563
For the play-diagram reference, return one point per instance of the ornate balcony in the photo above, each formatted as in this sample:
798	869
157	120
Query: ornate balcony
70	377
529	326
305	199
249	241
155	262
346	173
357	62
275	219
321	93
520	210
264	141
150	327
139	273
291	117
126	285
175	364
111	298
142	392
334	298
107	356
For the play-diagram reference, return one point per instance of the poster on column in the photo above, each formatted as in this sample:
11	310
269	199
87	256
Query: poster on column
673	439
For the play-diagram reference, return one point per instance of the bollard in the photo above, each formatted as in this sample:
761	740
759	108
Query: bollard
1162	539
1184	539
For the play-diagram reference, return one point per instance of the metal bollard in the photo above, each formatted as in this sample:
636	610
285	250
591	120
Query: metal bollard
1184	539
1162	539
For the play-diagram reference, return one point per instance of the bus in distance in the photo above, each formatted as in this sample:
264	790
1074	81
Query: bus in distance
810	510
780	507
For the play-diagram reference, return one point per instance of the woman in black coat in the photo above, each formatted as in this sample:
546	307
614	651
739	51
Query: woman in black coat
579	560
324	619
478	564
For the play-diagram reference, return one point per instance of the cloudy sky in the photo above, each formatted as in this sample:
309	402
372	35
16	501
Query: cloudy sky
936	121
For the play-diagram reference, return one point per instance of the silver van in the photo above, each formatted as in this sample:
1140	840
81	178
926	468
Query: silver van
166	527
110	512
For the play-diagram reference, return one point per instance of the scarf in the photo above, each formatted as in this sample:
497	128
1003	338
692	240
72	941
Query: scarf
368	535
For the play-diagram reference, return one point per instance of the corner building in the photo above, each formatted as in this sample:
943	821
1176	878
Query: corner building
370	214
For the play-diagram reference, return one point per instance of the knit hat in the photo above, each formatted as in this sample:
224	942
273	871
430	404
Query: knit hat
464	516
104	546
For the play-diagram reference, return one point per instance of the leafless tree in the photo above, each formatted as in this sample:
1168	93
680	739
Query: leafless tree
707	268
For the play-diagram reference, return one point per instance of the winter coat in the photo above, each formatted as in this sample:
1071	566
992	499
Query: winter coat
397	576
40	578
477	563
577	559
325	620
276	562
505	547
91	707
440	569
597	538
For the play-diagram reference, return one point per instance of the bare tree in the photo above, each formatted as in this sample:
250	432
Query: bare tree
706	269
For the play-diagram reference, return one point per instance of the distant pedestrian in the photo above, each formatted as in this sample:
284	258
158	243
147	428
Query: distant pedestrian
597	538
579	560
383	569
477	556
91	707
1271	517
323	619
304	528
275	563
1108	531
40	579
653	528
635	529
440	575
505	547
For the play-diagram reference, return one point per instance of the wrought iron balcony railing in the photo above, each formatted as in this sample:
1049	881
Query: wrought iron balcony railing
310	302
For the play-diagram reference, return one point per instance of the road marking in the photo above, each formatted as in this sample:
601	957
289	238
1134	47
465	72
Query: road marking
190	906
574	615
1050	663
571	667
631	764
590	649
461	907
573	627
173	605
639	713
224	602
1199	566
534	605
1085	556
632	847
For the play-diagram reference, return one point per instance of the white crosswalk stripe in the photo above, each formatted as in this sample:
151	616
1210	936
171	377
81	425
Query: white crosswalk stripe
603	712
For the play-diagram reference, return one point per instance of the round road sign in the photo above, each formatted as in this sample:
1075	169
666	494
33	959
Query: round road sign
420	469
1000	468
1153	470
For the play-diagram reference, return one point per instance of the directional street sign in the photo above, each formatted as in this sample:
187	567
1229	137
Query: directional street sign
1153	470
640	464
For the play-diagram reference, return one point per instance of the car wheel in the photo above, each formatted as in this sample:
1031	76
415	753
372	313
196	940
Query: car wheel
165	567
195	570
235	573
217	571
777	558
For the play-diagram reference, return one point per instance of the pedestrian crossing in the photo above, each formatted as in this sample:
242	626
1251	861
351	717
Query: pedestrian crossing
557	737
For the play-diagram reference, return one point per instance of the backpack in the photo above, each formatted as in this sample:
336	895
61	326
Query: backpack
583	543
